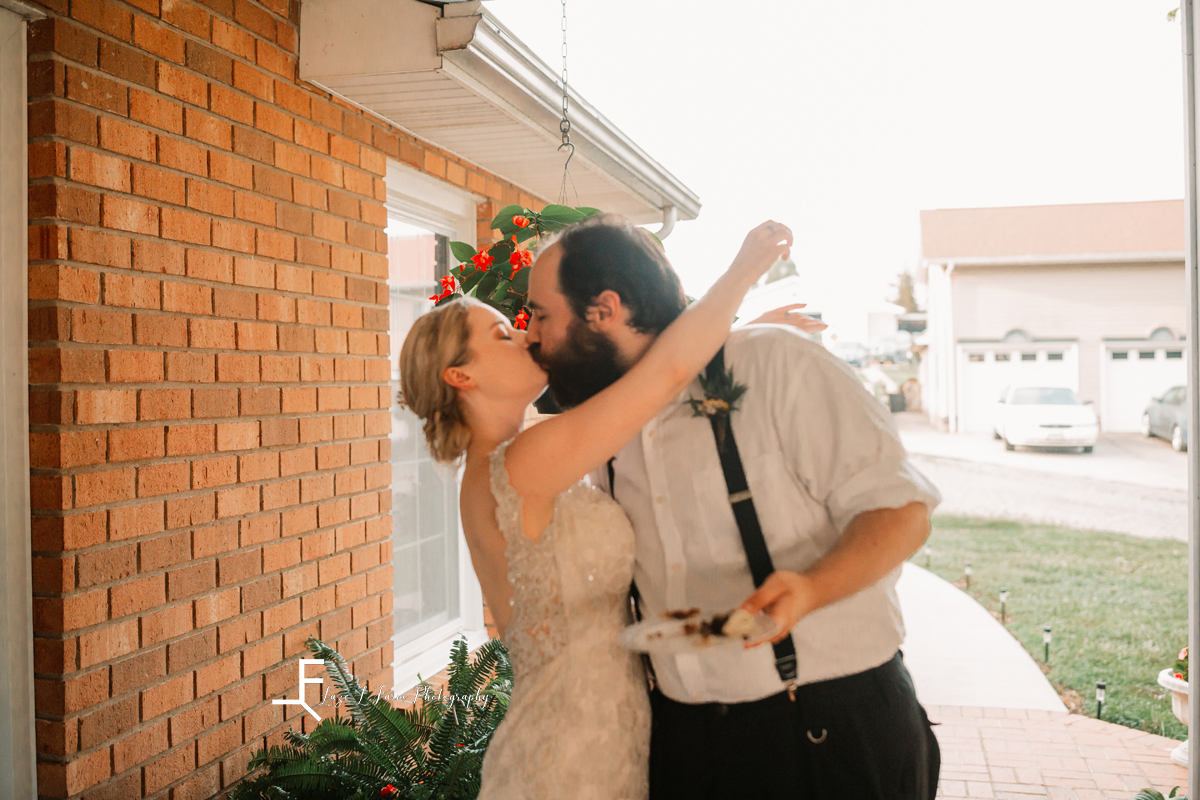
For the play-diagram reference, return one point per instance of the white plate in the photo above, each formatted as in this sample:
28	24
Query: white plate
670	636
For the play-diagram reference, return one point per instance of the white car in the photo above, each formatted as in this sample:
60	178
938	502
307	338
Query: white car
1045	416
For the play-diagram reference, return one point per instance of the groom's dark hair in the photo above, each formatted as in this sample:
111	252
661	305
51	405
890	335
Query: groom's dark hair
608	251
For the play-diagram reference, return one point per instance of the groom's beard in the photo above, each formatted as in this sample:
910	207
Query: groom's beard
585	365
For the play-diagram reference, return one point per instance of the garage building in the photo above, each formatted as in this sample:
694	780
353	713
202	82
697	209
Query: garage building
1088	296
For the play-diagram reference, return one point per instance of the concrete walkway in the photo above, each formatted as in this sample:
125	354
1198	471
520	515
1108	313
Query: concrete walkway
1003	731
960	655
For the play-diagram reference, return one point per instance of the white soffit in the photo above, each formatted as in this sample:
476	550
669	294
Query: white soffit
464	83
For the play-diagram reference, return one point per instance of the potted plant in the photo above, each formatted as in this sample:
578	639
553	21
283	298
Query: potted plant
1175	680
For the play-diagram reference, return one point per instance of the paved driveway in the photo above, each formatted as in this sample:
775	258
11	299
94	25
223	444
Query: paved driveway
1127	485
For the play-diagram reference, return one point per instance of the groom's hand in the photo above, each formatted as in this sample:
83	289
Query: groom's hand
787	597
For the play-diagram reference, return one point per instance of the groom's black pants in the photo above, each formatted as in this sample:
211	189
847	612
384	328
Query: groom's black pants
863	736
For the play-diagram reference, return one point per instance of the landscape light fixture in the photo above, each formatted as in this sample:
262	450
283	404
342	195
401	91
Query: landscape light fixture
1046	641
1003	604
1099	698
967	570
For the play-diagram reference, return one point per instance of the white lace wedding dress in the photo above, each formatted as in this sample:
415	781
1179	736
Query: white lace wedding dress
578	725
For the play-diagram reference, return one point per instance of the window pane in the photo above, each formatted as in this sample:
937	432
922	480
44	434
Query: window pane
424	494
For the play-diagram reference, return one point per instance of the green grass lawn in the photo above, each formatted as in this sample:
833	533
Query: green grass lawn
1117	606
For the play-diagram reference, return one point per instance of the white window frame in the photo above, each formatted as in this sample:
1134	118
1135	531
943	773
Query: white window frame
18	761
423	200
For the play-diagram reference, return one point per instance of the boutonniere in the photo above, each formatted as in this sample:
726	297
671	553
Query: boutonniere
721	396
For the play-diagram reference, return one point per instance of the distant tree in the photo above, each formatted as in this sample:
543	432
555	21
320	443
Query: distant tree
905	296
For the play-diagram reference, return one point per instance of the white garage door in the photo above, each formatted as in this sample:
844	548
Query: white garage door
1133	372
985	370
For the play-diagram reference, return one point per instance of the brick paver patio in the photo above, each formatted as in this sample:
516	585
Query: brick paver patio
1012	753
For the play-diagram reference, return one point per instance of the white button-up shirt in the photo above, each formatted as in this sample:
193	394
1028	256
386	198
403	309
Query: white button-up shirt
817	450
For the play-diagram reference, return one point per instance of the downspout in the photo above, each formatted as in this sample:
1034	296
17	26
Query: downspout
1187	22
670	216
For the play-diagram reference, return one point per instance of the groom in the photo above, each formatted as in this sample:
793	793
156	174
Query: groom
830	504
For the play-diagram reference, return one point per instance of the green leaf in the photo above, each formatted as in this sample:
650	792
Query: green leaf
472	280
487	285
501	290
525	234
588	211
462	251
505	217
520	283
500	251
563	215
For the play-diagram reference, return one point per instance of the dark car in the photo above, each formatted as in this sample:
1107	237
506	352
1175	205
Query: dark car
1166	417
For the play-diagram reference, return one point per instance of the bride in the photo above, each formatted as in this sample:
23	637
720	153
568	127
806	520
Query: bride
554	556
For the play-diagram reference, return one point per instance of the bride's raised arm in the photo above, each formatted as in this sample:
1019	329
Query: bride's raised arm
553	455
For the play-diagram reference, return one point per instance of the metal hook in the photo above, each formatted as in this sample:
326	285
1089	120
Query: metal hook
817	740
570	155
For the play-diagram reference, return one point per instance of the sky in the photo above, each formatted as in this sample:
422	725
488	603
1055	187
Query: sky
845	120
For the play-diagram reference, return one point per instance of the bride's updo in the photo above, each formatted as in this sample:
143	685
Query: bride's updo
437	340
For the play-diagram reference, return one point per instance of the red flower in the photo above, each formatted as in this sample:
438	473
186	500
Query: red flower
448	284
521	321
1179	675
388	791
482	260
520	259
521	222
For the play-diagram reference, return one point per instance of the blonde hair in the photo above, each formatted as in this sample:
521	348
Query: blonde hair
437	340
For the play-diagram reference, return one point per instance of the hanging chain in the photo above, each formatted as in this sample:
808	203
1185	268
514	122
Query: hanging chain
564	126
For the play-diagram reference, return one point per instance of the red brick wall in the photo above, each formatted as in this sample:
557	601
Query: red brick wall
208	367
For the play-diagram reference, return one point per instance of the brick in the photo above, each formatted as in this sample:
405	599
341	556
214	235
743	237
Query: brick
160	331
159	626
310	194
66	202
159	404
139	747
134	366
254	145
236	502
258	466
210	62
129	215
207	128
233	304
254	208
187	298
98	247
191	580
210	198
252	81
134	444
114	640
66	450
54	282
233	236
105	16
126	63
229	169
191	367
185	653
105	406
136	596
281	369
190	439
160	257
210	333
66	39
229	104
184	226
208	403
98	325
210	472
274	244
237	436
182	155
131	521
215	540
130	140
47	160
158	39
108	486
129	291
97	91
216	607
276	60
159	479
270	119
188	16
166	696
97	169
51	118
233	39
256	336
156	110
210	266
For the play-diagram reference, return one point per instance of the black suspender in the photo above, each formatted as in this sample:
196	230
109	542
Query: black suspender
744	513
747	521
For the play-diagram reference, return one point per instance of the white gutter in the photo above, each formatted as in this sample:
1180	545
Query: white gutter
1058	258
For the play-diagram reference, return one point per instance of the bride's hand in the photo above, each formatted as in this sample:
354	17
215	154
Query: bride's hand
786	315
762	247
784	595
